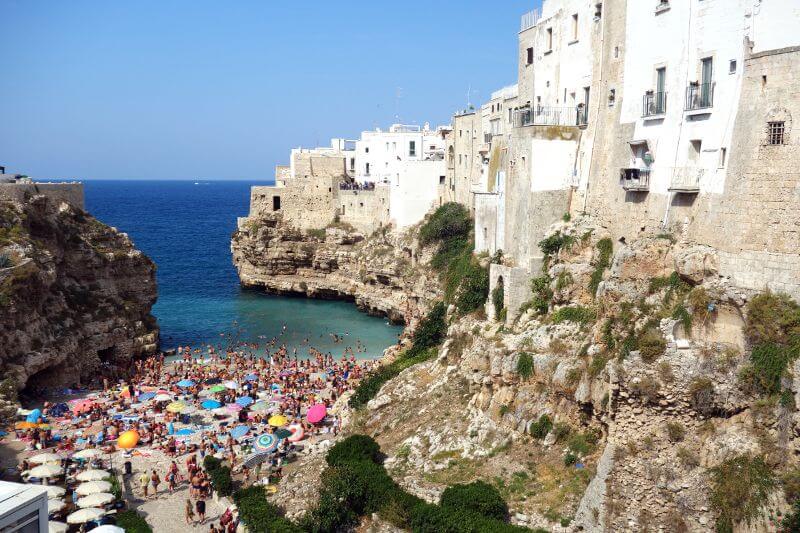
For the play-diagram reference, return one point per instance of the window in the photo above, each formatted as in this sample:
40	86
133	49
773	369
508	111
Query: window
343	209
612	97
387	146
549	39
575	27
616	52
598	11
412	148
529	56
732	66
276	203
352	164
460	132
459	159
441	180
366	149
775	133
367	169
723	156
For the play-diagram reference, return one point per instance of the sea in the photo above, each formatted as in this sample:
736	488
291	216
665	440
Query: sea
186	227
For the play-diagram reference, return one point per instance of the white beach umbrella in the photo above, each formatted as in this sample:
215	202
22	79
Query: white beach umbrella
85	515
163	397
54	491
54	505
92	475
45	458
92	487
108	528
231	385
46	470
56	527
88	453
95	500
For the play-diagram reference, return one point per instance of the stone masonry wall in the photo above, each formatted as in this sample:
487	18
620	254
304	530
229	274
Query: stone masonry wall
366	211
68	192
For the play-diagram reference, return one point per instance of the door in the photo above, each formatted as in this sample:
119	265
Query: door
706	81
661	85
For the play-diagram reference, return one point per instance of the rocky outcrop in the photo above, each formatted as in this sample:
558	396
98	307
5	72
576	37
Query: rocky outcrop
75	296
382	273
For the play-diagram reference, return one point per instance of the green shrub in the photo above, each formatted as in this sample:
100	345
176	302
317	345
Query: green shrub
552	244
739	489
541	427
6	261
791	522
701	394
682	315
525	365
772	319
575	313
542	294
133	522
791	485
498	299
478	497
432	329
473	284
259	515
570	459
220	475
450	220
675	431
769	364
354	448
605	248
651	345
318	234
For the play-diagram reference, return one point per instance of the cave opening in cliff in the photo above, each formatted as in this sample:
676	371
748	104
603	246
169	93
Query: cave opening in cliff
106	354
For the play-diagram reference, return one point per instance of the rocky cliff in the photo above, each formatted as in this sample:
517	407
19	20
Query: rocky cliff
383	273
75	296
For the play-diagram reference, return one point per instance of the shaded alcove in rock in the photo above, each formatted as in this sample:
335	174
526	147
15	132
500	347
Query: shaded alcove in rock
724	325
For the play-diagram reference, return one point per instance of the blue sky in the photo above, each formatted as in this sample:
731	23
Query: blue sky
222	90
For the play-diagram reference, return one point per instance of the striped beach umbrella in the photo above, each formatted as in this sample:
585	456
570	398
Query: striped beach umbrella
266	442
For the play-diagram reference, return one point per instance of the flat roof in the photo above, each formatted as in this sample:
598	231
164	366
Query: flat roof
13	495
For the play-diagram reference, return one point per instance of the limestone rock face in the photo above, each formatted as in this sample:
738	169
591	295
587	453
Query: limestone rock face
75	296
697	262
383	273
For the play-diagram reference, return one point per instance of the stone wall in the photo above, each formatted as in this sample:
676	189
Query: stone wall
67	192
365	210
306	203
516	289
306	165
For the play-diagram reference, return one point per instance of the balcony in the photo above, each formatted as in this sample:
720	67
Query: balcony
699	97
686	180
635	179
548	116
654	105
529	20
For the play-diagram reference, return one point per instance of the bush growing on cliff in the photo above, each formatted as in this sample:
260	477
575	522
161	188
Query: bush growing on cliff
739	489
354	448
448	221
541	427
133	522
651	345
498	299
605	249
525	365
575	313
478	497
259	515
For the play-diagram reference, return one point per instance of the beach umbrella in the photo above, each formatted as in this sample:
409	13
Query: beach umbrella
46	470
221	411
278	421
85	515
45	458
95	500
54	491
53	505
265	443
128	439
239	431
185	383
143	397
92	475
108	528
184	432
316	413
210	404
256	459
297	432
176	407
24	425
162	397
244	401
212	381
217	388
251	377
276	388
231	385
283	433
56	527
82	406
261	406
92	487
189	409
88	453
234	407
34	416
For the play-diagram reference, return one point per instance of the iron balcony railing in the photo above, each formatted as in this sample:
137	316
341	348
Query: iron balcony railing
548	116
654	104
699	96
686	179
635	179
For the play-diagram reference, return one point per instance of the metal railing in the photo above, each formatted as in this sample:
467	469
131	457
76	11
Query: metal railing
699	96
529	20
635	179
548	116
686	179
654	104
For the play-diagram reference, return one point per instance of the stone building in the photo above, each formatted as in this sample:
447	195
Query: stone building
18	187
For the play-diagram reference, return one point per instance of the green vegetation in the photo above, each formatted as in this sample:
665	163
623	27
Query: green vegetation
739	489
675	431
133	522
605	248
6	261
259	515
701	392
551	245
525	365
498	299
542	295
220	475
429	334
318	234
651	345
541	427
566	217
355	487
575	313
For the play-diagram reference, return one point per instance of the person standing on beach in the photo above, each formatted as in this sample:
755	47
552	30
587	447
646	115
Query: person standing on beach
201	510
144	481
155	480
189	512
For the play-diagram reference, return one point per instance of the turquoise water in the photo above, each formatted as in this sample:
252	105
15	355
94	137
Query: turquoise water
186	229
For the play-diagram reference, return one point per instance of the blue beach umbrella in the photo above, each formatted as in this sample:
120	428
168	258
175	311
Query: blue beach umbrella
143	397
251	377
244	401
184	432
34	416
185	383
210	404
265	443
239	431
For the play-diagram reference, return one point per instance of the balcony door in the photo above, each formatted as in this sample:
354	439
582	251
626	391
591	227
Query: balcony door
661	87
707	70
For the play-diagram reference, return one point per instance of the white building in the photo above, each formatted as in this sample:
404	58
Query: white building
23	508
409	160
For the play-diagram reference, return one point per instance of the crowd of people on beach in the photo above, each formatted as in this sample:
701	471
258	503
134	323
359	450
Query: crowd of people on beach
253	406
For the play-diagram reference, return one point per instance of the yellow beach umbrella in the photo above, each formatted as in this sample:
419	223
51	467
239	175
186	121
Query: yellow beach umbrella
278	421
176	407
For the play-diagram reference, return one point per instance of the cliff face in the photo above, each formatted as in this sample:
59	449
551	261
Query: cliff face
383	273
75	296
